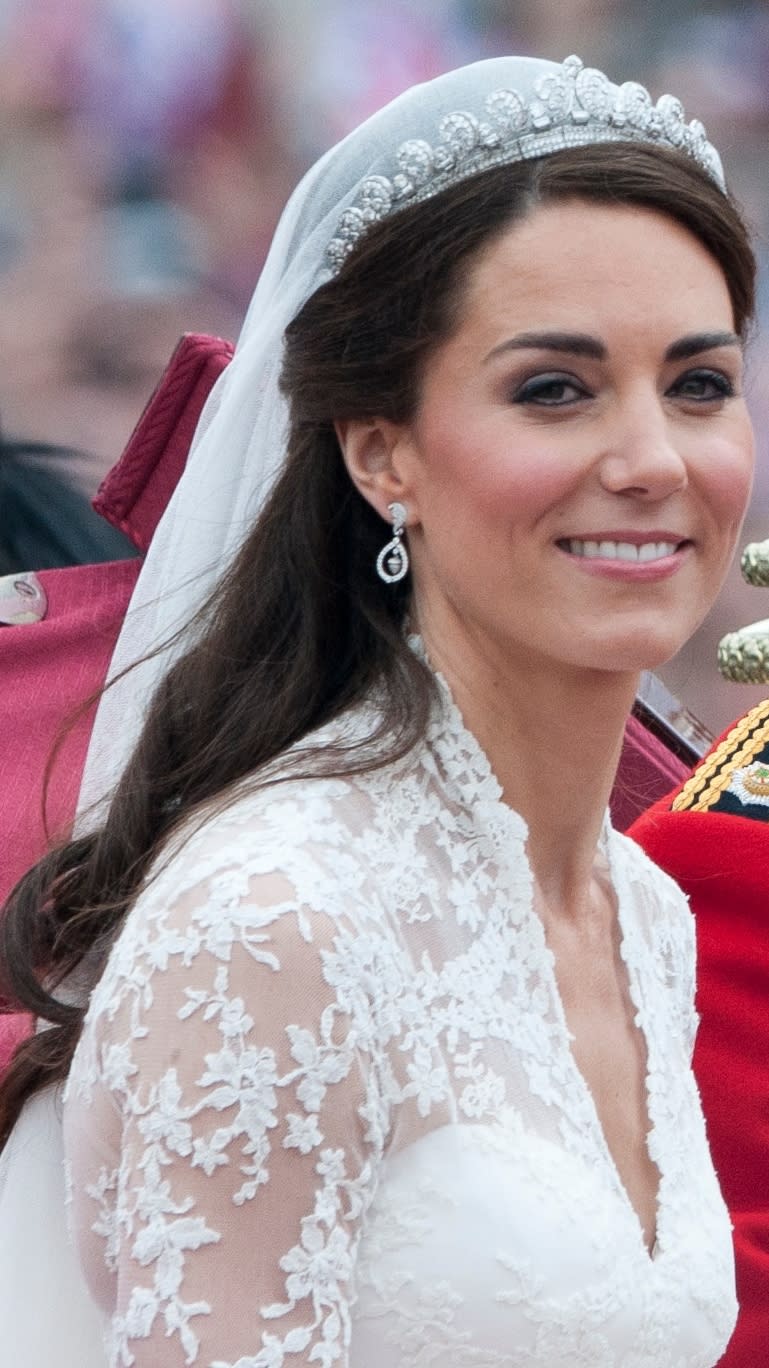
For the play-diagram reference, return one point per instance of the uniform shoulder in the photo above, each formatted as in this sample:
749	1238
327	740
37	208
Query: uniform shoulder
733	777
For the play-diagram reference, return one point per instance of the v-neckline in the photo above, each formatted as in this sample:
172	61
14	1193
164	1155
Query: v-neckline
616	883
450	735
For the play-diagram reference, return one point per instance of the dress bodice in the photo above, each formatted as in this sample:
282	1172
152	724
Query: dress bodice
325	1107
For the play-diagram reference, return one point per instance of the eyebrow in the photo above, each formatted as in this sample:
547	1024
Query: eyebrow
701	342
582	344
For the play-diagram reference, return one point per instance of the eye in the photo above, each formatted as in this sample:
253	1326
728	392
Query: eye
704	386
549	391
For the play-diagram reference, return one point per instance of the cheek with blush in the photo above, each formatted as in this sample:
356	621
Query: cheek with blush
728	481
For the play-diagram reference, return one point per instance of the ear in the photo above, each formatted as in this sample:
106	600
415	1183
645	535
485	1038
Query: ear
377	453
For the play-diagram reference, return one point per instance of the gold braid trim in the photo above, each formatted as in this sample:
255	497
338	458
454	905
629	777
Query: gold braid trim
709	780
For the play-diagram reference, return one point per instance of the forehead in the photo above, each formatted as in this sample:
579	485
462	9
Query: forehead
596	267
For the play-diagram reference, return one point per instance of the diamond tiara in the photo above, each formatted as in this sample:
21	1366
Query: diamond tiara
572	106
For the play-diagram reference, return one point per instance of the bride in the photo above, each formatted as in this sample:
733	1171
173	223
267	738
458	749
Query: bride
387	1061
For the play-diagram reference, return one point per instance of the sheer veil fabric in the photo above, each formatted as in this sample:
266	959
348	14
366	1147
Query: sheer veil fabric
236	454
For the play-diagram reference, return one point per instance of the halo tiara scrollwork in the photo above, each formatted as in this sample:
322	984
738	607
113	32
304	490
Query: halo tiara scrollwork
572	106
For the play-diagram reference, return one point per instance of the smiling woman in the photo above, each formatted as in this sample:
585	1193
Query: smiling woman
377	1038
534	455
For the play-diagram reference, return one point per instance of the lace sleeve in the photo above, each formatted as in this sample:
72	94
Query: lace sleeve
237	1095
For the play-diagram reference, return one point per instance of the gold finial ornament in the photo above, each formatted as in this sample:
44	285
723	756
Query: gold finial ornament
743	656
755	564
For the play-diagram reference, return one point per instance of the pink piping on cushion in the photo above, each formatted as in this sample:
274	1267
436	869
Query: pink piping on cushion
136	491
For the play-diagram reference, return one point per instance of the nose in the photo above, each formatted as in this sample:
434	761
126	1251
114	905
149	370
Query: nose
642	457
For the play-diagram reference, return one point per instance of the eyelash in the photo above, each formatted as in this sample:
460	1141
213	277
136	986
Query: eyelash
534	390
724	386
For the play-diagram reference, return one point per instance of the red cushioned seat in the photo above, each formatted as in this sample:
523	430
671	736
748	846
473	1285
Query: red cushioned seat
48	669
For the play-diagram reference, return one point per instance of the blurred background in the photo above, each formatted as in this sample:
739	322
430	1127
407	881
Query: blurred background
148	146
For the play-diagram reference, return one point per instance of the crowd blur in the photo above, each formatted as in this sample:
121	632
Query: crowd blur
147	148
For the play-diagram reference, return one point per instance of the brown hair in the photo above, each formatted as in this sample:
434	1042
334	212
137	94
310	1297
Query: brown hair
321	630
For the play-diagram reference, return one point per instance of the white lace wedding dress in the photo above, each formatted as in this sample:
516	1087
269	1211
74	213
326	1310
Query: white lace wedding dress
325	1109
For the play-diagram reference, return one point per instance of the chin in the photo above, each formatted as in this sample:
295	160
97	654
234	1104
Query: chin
637	651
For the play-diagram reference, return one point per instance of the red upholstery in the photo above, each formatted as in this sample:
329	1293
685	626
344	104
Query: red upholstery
647	771
85	608
48	669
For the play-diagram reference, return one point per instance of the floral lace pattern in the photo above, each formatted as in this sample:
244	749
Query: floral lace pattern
325	1111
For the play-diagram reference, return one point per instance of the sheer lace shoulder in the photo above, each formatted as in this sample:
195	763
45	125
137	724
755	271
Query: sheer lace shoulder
244	1106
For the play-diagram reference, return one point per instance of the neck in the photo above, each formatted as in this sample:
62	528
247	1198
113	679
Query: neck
553	738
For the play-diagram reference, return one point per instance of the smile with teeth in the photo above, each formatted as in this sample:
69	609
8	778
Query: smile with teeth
620	550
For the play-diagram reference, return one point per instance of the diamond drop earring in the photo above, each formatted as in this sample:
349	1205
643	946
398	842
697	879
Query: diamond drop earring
392	563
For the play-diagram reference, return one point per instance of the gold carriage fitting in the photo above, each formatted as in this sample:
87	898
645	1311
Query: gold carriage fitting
743	656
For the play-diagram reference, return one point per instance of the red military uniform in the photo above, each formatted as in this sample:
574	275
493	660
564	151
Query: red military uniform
712	836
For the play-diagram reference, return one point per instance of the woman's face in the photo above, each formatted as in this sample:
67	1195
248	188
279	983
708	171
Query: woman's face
581	457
